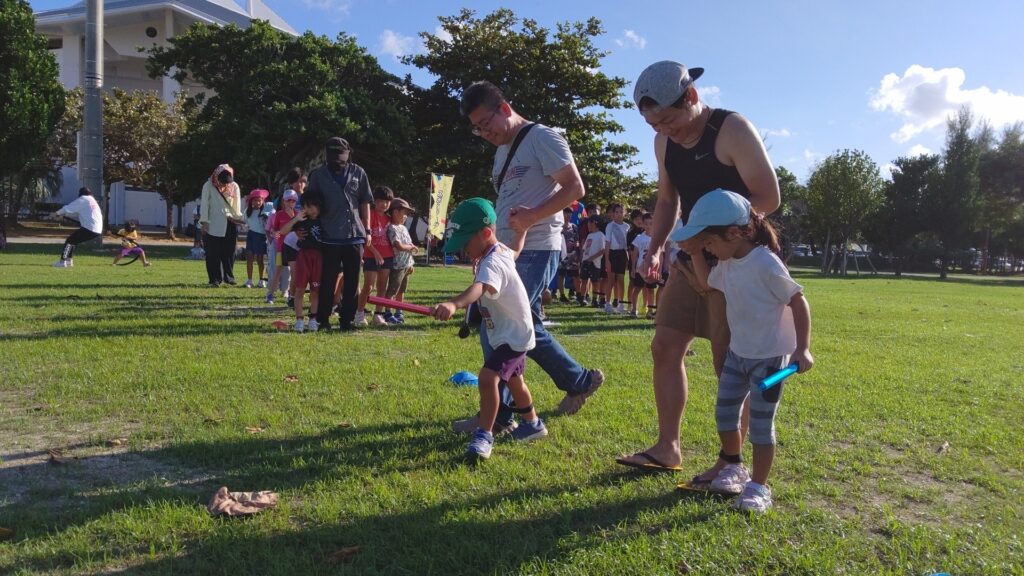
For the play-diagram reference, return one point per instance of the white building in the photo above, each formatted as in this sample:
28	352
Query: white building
127	26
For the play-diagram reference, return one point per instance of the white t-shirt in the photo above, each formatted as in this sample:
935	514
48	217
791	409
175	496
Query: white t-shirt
87	210
642	243
616	234
593	248
757	291
291	240
506	314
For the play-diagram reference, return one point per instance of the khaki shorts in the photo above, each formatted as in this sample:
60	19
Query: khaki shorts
682	308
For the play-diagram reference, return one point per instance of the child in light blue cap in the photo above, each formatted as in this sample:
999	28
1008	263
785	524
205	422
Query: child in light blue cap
770	322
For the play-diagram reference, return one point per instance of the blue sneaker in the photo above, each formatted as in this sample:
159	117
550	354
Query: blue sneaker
390	318
399	317
530	430
481	444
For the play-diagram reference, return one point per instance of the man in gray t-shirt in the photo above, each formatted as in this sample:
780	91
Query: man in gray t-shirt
541	179
529	182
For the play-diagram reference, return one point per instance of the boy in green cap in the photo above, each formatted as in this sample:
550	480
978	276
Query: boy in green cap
507	319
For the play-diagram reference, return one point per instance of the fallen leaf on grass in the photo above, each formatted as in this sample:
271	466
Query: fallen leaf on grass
415	362
213	420
58	457
344	555
944	448
684	568
6	534
291	378
345	425
254	429
39	408
372	387
280	324
117	442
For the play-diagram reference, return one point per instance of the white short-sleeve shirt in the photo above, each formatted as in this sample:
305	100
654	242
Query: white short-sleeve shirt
757	291
506	313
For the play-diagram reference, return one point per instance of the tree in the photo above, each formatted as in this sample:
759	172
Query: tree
1000	181
139	131
953	205
275	99
900	215
31	100
551	77
842	191
793	211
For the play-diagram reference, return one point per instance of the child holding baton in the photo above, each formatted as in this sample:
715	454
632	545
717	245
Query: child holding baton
505	309
770	322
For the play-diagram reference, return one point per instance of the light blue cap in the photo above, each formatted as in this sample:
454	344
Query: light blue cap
716	208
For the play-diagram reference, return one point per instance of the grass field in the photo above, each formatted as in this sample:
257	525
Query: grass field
900	453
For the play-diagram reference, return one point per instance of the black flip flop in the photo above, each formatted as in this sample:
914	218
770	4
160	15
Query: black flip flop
652	464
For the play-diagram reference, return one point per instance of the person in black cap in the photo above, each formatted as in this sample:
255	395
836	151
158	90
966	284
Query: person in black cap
699	149
345	221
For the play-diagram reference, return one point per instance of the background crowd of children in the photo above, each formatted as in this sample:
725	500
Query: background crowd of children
601	262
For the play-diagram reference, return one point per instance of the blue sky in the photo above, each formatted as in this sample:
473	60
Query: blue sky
813	76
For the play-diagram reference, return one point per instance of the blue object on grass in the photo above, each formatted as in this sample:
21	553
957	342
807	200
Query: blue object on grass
779	376
463	378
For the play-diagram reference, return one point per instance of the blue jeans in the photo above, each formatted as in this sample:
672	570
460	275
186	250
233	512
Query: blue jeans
536	269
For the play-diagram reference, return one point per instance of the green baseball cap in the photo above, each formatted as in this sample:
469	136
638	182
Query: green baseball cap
470	217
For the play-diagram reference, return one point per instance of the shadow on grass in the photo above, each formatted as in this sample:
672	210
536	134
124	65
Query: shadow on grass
467	533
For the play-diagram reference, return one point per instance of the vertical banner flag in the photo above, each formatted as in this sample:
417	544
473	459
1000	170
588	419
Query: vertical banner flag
440	194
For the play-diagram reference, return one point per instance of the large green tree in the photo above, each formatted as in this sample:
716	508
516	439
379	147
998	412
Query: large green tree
550	76
900	215
274	99
1000	187
953	205
843	191
31	100
792	212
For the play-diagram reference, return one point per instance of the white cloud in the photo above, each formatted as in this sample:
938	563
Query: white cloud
812	157
783	133
925	97
442	34
394	44
887	170
711	95
918	150
631	39
334	7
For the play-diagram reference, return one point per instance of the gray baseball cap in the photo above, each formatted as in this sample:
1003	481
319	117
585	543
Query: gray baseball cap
664	82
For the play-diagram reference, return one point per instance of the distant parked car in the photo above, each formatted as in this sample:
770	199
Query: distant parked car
802	250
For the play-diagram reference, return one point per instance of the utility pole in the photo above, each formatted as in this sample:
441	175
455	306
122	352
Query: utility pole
91	168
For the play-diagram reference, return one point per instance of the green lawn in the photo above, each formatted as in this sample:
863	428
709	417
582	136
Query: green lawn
900	453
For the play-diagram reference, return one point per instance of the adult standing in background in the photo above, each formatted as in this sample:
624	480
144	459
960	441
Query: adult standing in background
220	211
539	180
699	149
87	211
345	222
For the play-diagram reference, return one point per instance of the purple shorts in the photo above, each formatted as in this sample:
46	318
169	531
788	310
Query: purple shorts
506	362
133	251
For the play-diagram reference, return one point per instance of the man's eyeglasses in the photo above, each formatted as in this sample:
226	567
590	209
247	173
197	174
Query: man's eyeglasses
479	129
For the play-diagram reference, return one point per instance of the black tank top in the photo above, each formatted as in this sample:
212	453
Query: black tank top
696	171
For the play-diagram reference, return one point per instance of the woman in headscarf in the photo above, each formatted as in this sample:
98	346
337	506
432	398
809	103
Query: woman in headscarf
220	210
87	212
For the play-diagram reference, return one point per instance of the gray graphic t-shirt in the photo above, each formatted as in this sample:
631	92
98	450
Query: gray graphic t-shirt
528	182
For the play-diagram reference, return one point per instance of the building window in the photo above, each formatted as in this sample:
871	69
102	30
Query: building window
55	43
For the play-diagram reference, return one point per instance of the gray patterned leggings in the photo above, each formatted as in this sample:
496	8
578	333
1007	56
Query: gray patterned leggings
739	379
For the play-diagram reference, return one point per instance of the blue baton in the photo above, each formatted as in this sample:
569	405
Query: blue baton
779	376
